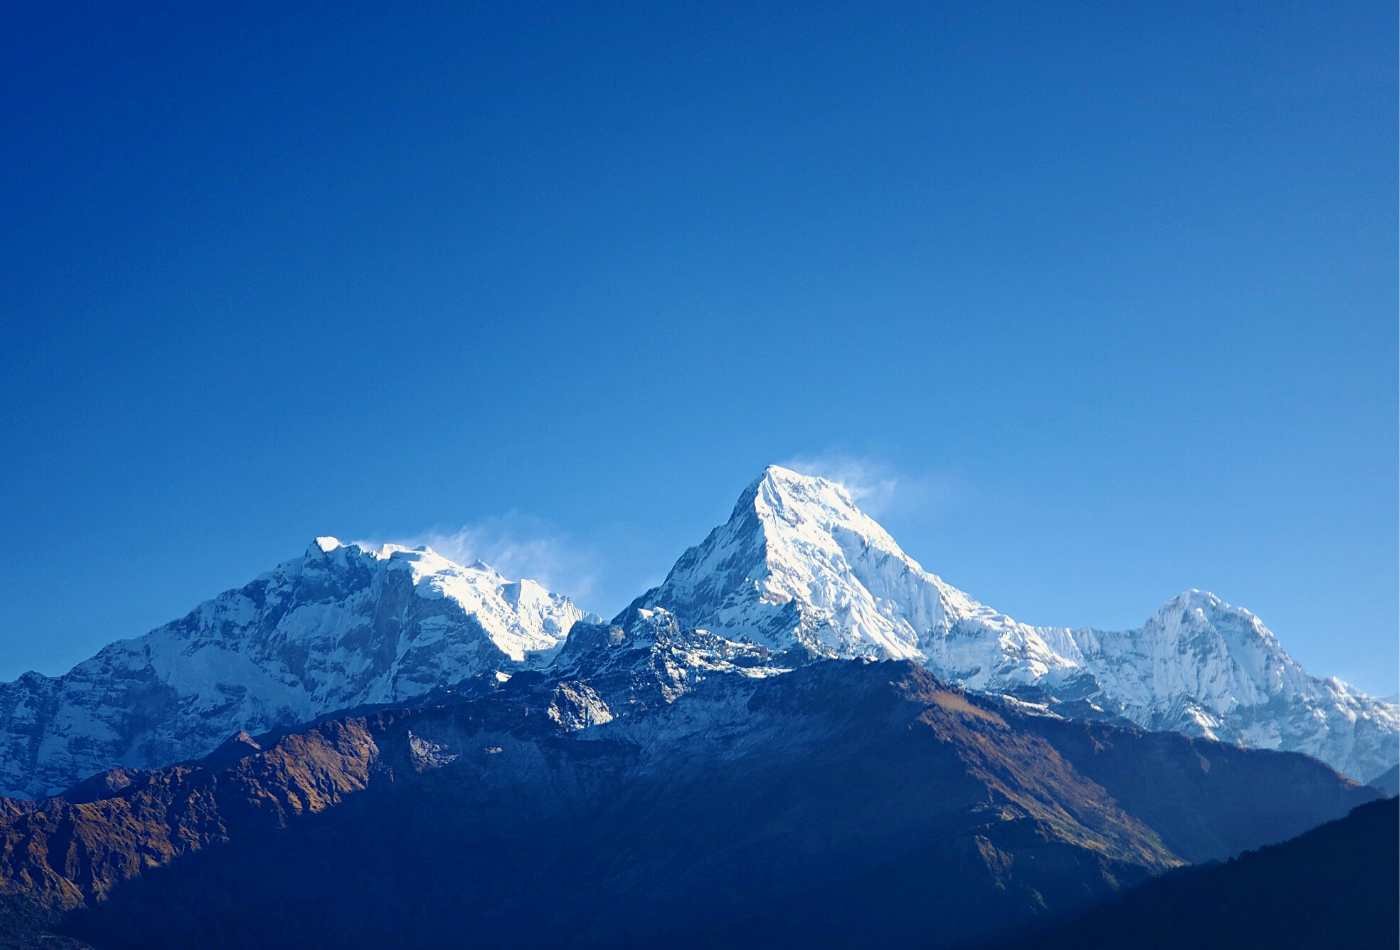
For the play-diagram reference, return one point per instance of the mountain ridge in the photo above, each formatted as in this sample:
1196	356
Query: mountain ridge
840	773
798	572
798	565
341	626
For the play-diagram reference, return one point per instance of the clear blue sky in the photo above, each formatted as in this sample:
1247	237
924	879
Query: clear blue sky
1108	292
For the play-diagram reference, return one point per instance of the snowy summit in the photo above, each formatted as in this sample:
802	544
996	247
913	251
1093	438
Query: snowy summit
341	626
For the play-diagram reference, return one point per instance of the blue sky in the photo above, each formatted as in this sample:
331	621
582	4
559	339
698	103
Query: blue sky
1099	301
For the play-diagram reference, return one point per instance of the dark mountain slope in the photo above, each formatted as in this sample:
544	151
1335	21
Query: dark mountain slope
750	810
1335	886
1205	798
1388	782
26	924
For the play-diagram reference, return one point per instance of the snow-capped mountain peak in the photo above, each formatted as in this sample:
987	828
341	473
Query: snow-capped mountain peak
521	618
1205	667
1196	652
340	626
799	567
1194	606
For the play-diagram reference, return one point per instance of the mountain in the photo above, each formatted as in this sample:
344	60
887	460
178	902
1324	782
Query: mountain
798	573
1388	782
1335	886
341	626
800	569
842	803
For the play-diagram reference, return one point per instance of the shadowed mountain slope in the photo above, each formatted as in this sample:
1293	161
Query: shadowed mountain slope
1333	887
1388	782
783	806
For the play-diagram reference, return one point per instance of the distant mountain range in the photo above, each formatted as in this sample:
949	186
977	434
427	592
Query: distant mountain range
798	573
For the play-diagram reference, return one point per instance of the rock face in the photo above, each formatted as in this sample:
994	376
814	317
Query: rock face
841	803
340	627
799	567
644	659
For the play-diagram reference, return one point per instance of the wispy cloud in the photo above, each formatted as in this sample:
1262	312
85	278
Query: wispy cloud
518	544
878	486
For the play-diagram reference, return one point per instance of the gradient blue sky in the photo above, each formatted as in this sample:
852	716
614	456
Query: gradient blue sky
1098	301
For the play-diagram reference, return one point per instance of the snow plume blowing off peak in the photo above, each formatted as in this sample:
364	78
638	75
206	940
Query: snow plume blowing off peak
800	568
